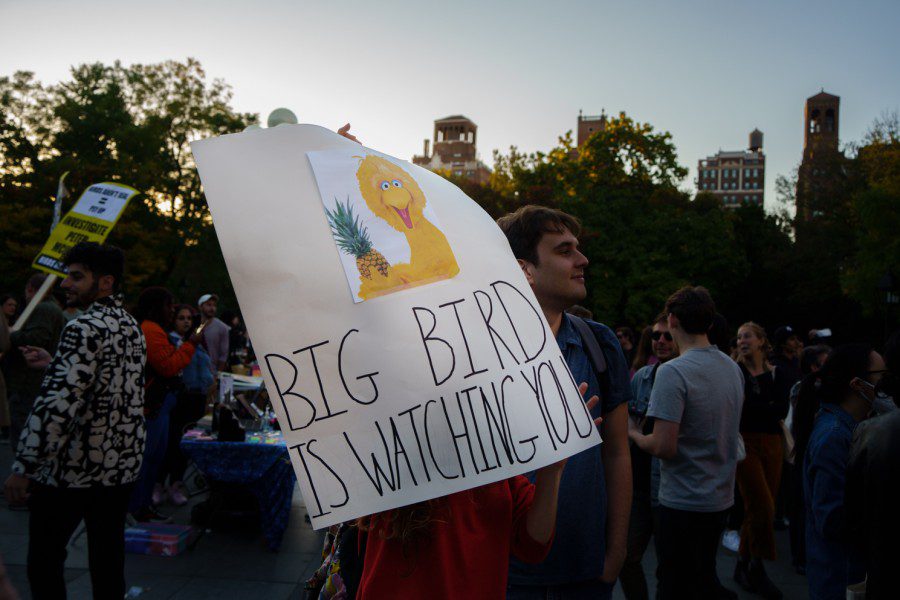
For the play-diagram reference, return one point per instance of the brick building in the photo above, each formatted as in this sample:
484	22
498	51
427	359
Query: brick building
735	177
820	169
455	150
588	125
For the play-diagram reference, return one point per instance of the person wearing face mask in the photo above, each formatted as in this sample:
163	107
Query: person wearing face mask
873	485
846	390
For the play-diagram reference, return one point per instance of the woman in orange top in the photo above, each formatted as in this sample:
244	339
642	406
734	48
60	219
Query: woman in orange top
164	365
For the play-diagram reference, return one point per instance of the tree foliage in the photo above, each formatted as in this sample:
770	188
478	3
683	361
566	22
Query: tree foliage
644	235
131	124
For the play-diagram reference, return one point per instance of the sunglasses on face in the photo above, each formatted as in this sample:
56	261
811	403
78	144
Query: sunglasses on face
661	334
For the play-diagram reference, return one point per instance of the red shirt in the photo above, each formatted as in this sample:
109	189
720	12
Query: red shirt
466	554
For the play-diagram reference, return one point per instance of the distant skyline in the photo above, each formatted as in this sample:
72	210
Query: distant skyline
707	72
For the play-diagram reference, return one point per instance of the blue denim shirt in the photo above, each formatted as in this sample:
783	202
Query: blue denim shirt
831	564
579	546
198	375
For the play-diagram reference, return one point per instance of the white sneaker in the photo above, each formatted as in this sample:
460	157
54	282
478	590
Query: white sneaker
731	540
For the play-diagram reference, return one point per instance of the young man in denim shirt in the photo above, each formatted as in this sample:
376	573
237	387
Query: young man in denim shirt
847	392
595	492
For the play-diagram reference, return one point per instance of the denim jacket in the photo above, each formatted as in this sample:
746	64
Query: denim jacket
831	563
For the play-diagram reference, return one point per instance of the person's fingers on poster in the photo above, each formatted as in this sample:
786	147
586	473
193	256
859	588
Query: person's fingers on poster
36	358
345	131
591	403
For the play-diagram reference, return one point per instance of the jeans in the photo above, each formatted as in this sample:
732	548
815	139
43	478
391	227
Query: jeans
641	525
189	408
55	513
583	590
686	544
154	454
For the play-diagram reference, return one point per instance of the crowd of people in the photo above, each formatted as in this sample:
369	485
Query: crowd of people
704	429
95	400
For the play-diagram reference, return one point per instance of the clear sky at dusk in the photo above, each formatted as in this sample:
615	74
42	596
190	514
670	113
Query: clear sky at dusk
708	72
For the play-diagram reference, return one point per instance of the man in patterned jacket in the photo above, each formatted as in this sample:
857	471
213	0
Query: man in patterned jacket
81	448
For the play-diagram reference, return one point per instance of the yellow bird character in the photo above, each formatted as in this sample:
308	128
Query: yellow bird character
394	196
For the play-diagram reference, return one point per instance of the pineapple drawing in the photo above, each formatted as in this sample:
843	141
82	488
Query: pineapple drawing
353	239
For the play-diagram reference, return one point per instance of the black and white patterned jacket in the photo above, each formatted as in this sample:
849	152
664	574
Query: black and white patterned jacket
87	425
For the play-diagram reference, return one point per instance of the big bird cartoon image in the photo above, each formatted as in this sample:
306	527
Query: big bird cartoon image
395	197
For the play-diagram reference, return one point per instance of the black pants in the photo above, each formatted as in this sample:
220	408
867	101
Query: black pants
687	543
188	409
797	517
641	525
55	514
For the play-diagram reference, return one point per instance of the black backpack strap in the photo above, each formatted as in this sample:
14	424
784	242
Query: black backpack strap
591	345
595	353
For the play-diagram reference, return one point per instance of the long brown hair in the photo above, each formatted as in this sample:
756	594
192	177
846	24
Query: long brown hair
760	332
407	524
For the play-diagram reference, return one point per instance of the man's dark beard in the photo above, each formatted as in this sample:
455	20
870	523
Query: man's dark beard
82	301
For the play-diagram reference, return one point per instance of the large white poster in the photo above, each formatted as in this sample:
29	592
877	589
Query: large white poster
404	352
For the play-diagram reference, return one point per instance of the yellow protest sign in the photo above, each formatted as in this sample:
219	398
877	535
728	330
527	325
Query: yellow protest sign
90	220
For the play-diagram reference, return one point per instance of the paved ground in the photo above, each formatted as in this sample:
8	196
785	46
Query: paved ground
235	565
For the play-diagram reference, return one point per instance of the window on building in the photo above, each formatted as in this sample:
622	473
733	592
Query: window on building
756	172
755	185
458	173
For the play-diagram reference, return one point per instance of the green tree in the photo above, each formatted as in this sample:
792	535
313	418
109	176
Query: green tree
113	123
644	237
877	217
